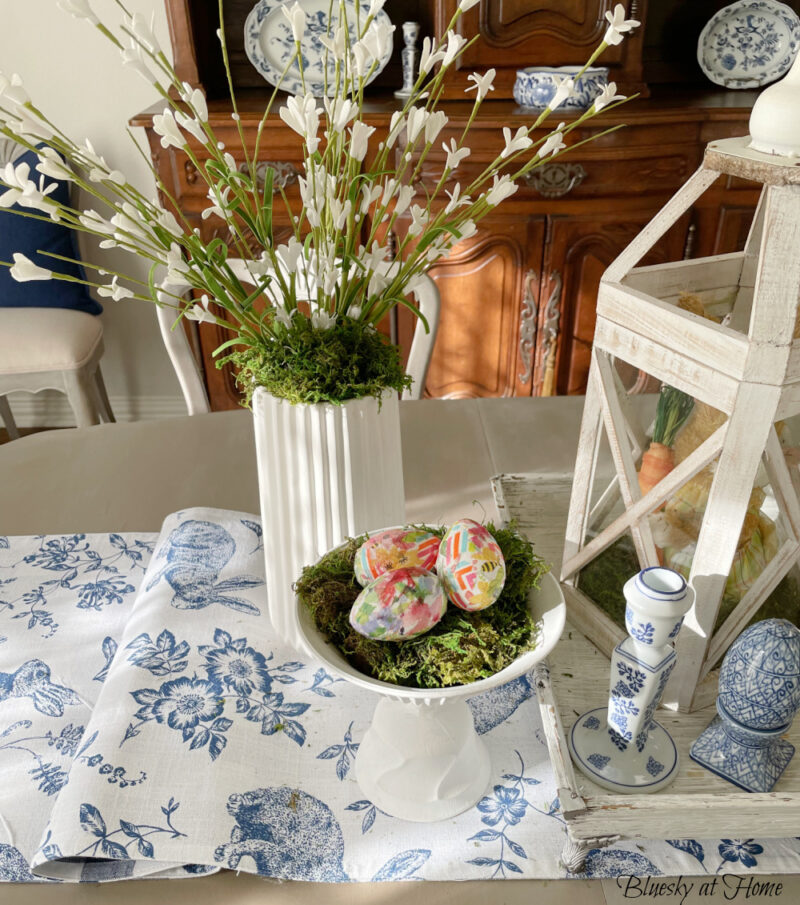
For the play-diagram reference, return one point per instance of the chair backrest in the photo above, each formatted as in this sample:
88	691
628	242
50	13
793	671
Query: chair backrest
190	379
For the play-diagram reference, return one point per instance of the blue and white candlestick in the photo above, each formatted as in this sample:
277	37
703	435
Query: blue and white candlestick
408	57
621	747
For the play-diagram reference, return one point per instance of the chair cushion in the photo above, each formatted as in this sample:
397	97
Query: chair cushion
27	236
46	339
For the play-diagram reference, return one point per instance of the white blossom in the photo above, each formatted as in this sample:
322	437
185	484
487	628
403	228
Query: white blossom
419	217
284	317
374	258
30	125
455	44
22	190
375	7
196	100
607	96
429	56
290	254
165	125
518	142
456	200
484	83
12	91
192	126
91	220
51	164
133	57
377	283
177	268
336	43
618	25
467	230
378	39
296	18
80	9
464	5
128	223
322	320
339	212
359	139
417	117
219	195
166	220
115	291
395	128
301	114
369	196
502	187
404	198
454	154
144	33
199	312
361	60
565	88
553	143
24	270
434	125
339	110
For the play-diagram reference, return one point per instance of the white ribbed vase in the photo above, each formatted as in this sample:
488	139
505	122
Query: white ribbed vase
325	473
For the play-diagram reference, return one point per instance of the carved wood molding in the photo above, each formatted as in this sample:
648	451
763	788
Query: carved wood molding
527	327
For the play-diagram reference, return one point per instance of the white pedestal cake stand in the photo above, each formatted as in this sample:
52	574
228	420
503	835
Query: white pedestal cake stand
421	759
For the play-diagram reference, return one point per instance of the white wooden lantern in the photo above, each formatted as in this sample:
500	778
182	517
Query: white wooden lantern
749	369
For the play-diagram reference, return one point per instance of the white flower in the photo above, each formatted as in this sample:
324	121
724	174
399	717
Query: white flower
565	88
455	43
395	128
553	143
192	126
24	269
618	25
419	217
165	125
464	5
51	164
23	191
166	220
91	220
339	212
301	114
361	60
134	58
284	317
30	125
484	83
456	200
336	44
322	320
377	283
502	187
177	267
340	110
144	33
297	20
373	259
359	140
196	100
200	313
434	125
429	56
115	291
454	154
607	96
128	223
467	229
11	91
417	117
220	198
375	7
378	39
404	198
80	9
519	142
290	253
369	196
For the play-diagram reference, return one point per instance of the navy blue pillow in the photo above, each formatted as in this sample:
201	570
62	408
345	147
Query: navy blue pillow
26	236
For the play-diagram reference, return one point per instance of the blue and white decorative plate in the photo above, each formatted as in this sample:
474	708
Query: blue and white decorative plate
269	44
749	43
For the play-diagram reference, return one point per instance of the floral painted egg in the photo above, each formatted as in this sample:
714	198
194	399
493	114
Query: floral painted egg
471	566
395	548
399	604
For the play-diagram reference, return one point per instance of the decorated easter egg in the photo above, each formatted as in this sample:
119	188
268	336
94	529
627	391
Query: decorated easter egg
471	566
395	548
399	604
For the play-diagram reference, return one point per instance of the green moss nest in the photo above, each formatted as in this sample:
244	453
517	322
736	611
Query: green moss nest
464	647
349	360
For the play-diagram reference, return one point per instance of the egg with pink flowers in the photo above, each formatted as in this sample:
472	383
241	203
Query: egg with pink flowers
471	566
395	548
398	605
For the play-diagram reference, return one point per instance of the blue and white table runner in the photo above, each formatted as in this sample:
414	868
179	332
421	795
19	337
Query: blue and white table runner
151	726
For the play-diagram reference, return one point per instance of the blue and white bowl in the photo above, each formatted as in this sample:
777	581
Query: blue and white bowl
536	85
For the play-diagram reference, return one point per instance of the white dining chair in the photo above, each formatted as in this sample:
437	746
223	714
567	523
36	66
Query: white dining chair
191	381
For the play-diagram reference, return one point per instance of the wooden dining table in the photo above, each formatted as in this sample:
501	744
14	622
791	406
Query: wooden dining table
129	476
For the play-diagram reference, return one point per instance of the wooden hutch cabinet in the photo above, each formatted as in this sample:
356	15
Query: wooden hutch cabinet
518	298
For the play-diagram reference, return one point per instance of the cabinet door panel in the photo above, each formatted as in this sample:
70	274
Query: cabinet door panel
577	252
489	288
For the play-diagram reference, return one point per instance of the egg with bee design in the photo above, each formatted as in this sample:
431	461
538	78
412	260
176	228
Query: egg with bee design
395	548
471	566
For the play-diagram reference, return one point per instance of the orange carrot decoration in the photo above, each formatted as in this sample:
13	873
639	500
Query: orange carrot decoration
658	461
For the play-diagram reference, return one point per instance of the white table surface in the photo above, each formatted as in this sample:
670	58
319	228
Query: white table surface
128	477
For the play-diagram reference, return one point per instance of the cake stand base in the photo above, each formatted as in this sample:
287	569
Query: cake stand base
624	770
422	761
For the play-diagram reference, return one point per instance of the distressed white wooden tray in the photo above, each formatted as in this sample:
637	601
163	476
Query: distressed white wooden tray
576	678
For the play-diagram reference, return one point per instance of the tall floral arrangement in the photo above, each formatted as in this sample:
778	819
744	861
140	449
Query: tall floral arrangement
292	307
